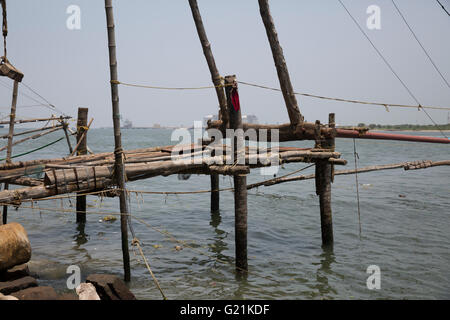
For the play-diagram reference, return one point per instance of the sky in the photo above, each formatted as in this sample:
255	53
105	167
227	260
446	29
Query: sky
157	44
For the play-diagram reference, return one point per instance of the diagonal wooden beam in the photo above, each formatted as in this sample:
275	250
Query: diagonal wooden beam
280	63
215	75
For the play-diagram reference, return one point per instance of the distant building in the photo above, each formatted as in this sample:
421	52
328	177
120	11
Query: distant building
156	126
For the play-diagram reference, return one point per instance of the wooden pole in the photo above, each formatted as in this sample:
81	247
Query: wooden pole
240	182
81	139
206	46
118	152
324	177
65	127
215	193
37	120
38	135
31	131
12	118
81	144
218	82
280	63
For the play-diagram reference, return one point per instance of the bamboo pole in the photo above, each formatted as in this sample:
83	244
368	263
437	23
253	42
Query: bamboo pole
33	137
167	165
31	131
119	168
240	181
66	127
80	149
43	191
280	63
12	118
286	132
73	160
26	181
37	120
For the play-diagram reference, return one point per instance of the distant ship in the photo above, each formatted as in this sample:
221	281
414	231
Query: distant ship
127	124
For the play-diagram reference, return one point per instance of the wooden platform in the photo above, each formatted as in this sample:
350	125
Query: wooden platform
96	172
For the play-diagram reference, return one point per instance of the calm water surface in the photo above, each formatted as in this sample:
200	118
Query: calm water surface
407	236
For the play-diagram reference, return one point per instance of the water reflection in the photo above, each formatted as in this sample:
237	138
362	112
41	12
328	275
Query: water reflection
327	258
80	236
219	245
243	286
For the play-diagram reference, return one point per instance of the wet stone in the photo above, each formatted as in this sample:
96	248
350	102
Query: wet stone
36	293
9	287
110	287
14	273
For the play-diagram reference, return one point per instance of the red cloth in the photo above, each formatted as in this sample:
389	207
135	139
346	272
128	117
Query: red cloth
235	100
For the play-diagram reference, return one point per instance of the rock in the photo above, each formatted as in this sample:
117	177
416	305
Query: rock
14	273
110	287
15	247
86	291
3	297
9	287
36	293
68	296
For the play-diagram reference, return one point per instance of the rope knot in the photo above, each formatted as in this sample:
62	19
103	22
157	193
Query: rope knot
135	242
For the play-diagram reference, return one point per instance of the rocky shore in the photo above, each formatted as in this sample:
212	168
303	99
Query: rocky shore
16	282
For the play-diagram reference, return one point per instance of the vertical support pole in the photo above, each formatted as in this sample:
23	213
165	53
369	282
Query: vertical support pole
12	119
118	152
240	181
81	128
280	63
324	177
215	194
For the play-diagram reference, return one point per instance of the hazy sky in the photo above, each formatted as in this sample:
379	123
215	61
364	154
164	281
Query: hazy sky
158	45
